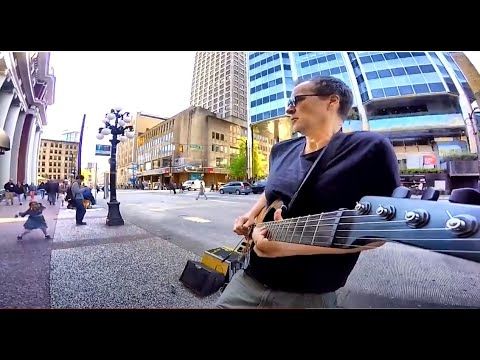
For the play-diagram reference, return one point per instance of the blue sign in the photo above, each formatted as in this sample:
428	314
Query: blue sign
103	150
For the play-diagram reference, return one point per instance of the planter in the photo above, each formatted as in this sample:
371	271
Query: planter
463	168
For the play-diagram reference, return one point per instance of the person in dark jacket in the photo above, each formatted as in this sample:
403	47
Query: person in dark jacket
41	189
52	190
9	191
19	191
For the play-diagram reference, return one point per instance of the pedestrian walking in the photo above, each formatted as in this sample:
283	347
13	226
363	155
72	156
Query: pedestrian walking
202	191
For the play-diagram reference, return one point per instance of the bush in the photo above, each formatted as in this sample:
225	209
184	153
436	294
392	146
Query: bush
456	155
421	171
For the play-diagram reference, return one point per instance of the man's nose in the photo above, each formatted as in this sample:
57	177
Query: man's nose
290	109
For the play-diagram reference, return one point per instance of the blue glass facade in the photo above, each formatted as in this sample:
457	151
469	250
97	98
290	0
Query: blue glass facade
374	77
393	74
269	75
420	100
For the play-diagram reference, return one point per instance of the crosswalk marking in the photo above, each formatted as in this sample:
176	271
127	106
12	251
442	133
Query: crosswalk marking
196	219
11	220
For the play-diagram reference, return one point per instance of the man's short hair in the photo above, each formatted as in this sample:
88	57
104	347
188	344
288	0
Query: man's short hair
329	85
80	177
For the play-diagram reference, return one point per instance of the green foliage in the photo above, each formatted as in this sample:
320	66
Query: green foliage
457	155
238	163
421	171
259	163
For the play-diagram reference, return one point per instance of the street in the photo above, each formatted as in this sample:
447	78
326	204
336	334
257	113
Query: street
394	275
138	265
195	225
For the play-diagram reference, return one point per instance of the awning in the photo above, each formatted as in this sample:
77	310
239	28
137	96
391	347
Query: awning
4	142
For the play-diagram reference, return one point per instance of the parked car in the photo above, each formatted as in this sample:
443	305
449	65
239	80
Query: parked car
192	184
258	187
237	187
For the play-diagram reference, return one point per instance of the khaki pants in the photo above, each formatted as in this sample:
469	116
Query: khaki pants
244	291
9	197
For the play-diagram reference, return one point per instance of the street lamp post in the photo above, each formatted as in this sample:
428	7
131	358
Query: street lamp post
473	124
115	123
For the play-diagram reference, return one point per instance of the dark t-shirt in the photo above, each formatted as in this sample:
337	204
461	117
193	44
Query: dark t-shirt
364	163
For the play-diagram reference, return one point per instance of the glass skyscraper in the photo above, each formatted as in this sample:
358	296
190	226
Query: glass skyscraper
420	100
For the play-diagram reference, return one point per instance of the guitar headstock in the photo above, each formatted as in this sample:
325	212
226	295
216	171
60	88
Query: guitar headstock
441	226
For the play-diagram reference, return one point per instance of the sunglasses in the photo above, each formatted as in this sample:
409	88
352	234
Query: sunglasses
299	98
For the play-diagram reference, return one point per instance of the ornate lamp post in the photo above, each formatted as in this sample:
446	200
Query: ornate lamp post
116	124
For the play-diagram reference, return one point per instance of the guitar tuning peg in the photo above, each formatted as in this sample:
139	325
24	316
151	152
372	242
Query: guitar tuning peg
430	194
402	192
465	196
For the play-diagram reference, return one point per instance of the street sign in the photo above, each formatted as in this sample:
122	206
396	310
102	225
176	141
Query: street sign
102	150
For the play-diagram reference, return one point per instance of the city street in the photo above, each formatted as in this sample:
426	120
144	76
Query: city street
195	225
394	275
139	265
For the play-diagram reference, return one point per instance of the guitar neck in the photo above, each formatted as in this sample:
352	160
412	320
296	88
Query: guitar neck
316	230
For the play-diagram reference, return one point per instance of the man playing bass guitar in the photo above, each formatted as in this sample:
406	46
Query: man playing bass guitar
288	275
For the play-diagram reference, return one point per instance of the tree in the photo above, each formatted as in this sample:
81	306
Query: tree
259	163
238	163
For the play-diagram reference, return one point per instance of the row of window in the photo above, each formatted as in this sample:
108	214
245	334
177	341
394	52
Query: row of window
266	85
410	70
218	136
328	72
405	90
267	99
254	55
268	114
219	148
55	157
53	170
389	56
264	61
56	145
266	72
59	152
318	60
55	177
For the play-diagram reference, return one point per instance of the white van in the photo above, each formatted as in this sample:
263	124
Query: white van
192	184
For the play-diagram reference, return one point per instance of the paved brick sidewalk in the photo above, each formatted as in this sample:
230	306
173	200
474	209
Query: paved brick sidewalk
97	266
24	265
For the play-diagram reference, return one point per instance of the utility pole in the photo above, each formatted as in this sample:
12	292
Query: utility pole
79	165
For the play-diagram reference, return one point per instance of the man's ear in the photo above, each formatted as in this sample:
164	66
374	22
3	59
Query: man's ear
334	101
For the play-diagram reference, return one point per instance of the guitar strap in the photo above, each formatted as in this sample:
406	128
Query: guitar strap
318	165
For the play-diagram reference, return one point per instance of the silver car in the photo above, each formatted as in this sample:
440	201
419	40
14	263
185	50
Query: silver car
237	187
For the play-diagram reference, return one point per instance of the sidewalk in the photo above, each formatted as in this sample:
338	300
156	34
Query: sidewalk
24	265
97	266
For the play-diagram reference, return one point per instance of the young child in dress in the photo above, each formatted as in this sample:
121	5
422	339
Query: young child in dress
35	219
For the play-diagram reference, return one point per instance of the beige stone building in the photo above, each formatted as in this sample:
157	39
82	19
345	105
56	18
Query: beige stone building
126	151
57	160
193	144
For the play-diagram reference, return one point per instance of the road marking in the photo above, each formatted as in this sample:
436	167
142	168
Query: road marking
196	219
11	220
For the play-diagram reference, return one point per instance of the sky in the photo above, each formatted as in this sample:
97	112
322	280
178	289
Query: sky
92	83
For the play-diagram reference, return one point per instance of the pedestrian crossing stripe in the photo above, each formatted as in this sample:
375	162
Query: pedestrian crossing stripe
196	219
11	220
